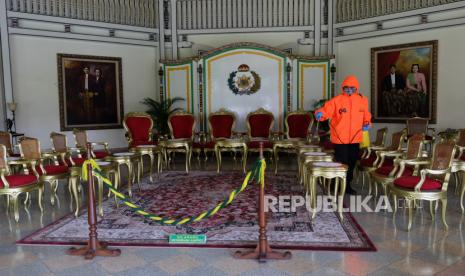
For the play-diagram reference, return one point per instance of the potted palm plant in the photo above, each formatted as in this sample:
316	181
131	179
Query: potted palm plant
160	111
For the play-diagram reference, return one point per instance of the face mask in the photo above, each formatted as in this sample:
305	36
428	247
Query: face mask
349	89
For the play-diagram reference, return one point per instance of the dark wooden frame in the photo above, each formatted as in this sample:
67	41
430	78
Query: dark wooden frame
433	87
61	91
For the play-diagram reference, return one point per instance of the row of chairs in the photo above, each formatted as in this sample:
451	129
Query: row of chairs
183	138
29	169
412	173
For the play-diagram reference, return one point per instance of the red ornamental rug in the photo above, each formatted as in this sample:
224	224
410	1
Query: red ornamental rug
176	195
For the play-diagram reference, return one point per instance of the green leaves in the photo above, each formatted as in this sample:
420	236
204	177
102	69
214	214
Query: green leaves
160	111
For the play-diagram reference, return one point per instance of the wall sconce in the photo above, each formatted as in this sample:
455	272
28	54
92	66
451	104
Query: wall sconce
11	122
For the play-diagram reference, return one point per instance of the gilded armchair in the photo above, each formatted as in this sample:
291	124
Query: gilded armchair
182	125
139	132
259	125
298	127
432	183
80	136
385	172
14	184
51	173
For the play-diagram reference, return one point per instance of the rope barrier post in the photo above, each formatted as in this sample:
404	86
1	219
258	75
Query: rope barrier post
263	250
93	247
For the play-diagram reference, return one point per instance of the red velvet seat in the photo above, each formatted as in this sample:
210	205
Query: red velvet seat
78	161
327	145
207	145
256	144
99	154
19	180
52	169
409	182
387	169
12	185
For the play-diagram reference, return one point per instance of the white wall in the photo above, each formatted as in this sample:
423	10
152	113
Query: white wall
353	57
35	82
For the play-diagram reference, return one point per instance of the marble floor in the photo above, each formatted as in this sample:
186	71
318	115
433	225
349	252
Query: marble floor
426	250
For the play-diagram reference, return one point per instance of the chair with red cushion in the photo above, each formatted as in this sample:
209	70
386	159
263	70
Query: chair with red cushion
12	185
80	136
370	161
5	139
432	183
139	132
51	173
418	125
378	144
298	127
221	127
385	171
259	125
182	125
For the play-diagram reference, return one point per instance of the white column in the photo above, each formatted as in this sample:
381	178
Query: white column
331	19
174	30
7	88
317	26
161	30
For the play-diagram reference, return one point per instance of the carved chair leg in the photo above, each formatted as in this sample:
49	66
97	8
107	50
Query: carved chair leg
40	196
462	192
74	183
14	198
152	161
444	206
53	191
431	209
394	199
410	214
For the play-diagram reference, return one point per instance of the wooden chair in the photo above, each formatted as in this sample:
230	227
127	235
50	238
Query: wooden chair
418	125
378	144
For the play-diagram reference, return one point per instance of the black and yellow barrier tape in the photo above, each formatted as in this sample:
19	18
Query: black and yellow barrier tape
257	173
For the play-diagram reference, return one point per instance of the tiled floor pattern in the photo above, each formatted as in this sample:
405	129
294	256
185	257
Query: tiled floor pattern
426	250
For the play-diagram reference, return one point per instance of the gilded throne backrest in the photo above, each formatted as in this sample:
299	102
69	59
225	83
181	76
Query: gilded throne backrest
298	124
182	125
260	123
221	124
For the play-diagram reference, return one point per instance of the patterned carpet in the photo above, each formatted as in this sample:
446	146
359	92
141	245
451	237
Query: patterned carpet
176	194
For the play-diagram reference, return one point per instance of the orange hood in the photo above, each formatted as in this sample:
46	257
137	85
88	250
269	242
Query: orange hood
350	81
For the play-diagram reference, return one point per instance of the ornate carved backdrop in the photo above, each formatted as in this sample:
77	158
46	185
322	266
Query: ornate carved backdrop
243	77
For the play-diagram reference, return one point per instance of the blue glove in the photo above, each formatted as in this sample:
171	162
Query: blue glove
366	127
318	115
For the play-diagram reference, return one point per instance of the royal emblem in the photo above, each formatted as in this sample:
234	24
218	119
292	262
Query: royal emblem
243	81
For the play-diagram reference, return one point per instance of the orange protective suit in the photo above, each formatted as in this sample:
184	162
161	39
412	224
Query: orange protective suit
347	114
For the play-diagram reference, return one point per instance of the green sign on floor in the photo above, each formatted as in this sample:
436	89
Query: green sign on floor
188	239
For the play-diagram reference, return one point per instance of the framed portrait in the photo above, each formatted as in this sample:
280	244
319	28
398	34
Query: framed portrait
404	82
90	92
